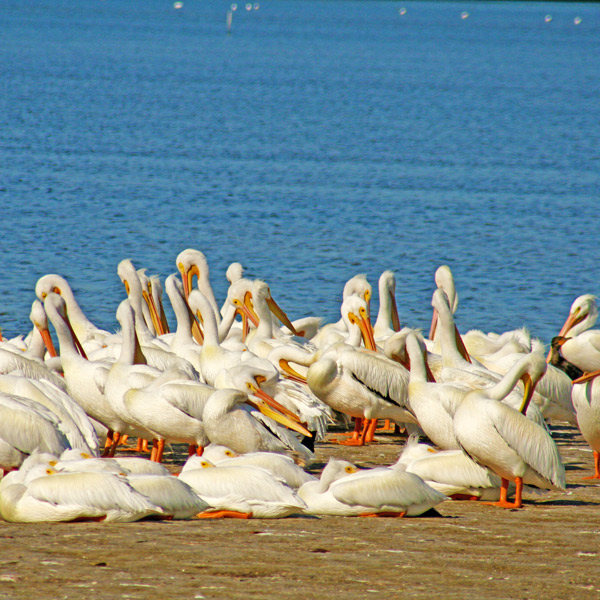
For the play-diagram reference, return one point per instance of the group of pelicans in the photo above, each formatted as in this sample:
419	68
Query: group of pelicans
251	398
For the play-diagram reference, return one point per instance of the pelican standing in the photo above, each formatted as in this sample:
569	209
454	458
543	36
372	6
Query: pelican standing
504	440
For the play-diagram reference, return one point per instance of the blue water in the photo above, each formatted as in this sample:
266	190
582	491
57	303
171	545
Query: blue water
317	141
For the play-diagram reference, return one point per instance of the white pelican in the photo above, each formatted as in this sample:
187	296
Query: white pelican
241	491
133	287
26	427
259	307
156	296
444	280
288	397
171	410
424	397
230	422
175	497
75	424
192	263
279	465
43	494
586	400
504	440
130	371
84	329
387	321
357	382
450	472
380	492
583	314
553	392
214	356
85	379
459	371
333	333
182	342
10	362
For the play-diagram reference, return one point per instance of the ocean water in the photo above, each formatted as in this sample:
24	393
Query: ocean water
316	141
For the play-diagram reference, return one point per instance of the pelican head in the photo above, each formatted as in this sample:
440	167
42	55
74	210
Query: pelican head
40	321
335	469
534	367
234	272
358	286
355	312
50	283
191	263
583	314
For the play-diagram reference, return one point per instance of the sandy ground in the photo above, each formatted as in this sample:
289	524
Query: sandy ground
549	549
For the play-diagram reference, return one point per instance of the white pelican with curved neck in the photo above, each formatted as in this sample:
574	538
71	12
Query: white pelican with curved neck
504	440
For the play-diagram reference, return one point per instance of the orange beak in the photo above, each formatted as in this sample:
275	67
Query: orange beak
48	341
571	321
395	317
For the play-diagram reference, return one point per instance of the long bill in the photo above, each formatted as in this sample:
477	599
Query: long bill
461	345
274	404
434	322
45	333
395	317
366	329
248	314
266	410
529	387
290	372
75	338
572	320
153	312
187	276
278	312
586	377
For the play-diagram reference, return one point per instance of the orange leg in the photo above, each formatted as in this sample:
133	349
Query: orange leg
372	427
388	427
355	433
223	514
357	441
154	451
160	446
596	474
115	443
199	450
397	515
464	497
503	502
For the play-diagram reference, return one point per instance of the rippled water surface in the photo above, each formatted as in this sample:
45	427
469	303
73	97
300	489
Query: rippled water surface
317	141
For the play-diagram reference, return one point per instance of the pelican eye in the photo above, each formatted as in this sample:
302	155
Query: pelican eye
352	318
44	294
49	471
432	450
349	469
367	295
363	311
229	453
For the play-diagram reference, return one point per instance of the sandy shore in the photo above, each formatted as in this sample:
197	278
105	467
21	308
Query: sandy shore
549	549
